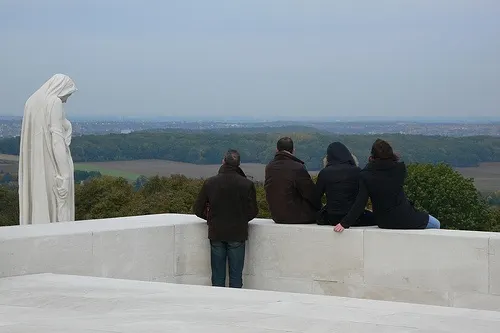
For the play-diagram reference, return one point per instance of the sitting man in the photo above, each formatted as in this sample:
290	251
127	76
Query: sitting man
290	191
228	202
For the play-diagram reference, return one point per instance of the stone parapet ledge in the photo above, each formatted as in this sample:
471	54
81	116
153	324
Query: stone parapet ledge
437	267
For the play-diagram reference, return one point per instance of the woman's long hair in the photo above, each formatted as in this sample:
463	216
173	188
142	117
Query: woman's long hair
382	150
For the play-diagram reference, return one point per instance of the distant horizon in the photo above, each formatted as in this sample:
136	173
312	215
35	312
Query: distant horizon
262	120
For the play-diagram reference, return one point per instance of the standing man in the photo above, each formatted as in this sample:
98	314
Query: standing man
290	190
228	202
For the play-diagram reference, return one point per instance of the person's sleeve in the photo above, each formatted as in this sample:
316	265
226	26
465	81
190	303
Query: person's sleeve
200	204
58	142
307	188
359	206
405	171
253	209
320	186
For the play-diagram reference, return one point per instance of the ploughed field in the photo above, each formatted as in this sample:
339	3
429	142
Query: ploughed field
486	176
165	168
8	163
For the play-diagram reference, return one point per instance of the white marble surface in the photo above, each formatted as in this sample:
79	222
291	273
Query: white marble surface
435	267
74	304
428	260
495	265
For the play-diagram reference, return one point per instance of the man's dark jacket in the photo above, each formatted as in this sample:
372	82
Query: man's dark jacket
228	202
290	192
339	180
382	181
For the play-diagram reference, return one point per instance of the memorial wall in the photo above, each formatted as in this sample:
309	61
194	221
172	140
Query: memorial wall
436	267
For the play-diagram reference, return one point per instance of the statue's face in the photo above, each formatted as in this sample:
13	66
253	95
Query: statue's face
64	99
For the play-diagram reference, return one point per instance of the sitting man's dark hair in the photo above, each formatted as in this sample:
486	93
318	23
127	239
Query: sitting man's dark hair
232	158
285	144
382	150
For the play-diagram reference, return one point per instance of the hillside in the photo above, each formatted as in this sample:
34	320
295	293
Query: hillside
258	146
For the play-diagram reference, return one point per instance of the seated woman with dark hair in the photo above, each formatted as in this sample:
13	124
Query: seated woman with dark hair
382	180
339	179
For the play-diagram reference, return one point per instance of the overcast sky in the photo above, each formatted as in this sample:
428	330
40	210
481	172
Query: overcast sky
262	58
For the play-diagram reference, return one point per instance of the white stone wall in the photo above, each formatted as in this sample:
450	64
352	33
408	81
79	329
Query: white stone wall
438	267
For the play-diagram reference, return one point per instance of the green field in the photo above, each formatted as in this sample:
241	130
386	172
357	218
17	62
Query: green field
9	163
106	171
10	158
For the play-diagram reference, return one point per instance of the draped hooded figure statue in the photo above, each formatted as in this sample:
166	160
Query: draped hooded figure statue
46	180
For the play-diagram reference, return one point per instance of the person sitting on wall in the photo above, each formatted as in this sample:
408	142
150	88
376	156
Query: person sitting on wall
228	201
339	180
382	180
290	192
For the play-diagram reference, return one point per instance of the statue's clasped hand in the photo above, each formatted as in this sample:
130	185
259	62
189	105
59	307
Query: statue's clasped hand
62	186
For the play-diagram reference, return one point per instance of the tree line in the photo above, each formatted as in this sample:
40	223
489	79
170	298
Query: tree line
258	146
437	189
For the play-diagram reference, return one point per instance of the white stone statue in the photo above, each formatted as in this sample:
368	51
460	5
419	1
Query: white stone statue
46	180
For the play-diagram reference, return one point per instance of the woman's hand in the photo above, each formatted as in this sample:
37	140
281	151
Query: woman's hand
338	228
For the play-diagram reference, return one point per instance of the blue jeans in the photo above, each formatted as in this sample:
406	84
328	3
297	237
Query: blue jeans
234	254
433	223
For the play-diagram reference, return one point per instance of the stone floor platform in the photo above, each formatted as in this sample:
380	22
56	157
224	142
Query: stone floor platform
52	303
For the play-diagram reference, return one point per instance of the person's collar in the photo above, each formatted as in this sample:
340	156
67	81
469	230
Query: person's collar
284	154
226	168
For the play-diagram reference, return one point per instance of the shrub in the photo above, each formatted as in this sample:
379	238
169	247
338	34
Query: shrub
437	189
448	196
174	194
9	206
494	220
103	197
262	202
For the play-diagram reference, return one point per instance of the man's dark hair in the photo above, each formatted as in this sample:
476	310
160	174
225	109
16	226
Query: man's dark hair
285	144
232	158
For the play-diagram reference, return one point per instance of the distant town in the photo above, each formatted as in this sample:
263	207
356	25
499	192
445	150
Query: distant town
11	127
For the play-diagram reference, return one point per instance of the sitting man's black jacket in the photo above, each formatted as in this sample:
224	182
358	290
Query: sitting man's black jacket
228	202
290	192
